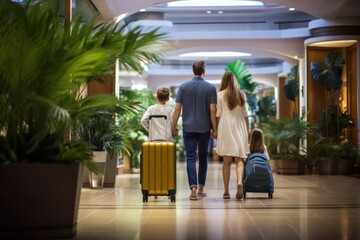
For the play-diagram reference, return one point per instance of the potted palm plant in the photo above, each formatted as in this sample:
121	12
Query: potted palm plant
106	139
283	138
333	120
42	65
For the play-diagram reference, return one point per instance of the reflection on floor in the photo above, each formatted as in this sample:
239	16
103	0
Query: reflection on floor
303	207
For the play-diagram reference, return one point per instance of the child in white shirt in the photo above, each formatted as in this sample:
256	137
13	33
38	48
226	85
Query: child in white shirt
159	126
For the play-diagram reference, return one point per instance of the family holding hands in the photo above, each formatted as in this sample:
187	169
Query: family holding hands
207	113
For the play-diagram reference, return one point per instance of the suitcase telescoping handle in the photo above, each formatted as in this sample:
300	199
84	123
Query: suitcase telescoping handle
157	116
150	130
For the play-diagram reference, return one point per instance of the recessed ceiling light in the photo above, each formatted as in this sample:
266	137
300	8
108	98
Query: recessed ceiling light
214	81
215	54
220	12
120	17
208	12
212	3
341	43
291	9
142	10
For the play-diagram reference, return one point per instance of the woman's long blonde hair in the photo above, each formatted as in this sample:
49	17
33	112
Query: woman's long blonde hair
257	144
234	96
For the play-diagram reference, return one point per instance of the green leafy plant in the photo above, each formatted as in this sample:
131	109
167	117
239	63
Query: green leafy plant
131	122
42	67
329	75
103	134
291	88
267	109
283	137
244	79
333	121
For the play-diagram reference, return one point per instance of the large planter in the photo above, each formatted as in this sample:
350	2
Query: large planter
39	201
272	163
327	167
344	166
289	166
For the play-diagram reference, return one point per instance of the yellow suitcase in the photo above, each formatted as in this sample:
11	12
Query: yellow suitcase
158	165
158	170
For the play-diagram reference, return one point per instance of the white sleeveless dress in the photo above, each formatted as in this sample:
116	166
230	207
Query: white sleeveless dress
232	137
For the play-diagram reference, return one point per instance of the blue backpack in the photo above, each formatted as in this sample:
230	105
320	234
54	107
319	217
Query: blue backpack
258	175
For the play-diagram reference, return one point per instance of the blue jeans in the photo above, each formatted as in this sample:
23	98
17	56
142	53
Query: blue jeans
196	141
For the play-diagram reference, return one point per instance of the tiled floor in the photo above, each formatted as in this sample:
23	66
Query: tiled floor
303	207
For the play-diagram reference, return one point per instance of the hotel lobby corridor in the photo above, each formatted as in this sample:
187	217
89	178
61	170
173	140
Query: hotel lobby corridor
303	207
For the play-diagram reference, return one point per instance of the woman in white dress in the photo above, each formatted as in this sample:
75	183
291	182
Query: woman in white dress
233	125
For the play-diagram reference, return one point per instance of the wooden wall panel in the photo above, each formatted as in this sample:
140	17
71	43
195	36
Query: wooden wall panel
286	106
352	76
316	94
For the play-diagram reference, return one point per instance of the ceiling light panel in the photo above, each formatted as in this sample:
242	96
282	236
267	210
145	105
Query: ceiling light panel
215	3
215	54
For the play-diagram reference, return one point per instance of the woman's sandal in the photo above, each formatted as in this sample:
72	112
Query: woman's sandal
239	194
226	196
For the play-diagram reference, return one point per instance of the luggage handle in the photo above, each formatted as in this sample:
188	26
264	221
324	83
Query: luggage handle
157	116
150	131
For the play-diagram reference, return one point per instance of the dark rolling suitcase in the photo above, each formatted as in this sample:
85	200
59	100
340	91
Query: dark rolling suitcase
158	167
258	175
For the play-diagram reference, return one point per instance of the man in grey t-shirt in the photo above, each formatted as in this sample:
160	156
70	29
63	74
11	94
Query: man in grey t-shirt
197	100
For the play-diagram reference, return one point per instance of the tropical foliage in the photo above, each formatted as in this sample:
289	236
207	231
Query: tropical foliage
333	119
291	88
329	74
131	122
244	79
283	137
266	109
42	67
103	134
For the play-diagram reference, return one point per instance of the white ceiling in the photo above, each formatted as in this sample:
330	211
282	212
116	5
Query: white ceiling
272	34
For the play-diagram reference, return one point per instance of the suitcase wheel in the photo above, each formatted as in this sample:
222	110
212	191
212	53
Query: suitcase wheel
172	198
244	195
145	198
270	195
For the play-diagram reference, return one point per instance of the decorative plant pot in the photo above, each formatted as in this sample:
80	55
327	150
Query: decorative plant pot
344	166
290	166
327	167
39	201
97	179
127	168
109	169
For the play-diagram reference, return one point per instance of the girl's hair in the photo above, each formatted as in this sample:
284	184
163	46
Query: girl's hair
233	95
257	141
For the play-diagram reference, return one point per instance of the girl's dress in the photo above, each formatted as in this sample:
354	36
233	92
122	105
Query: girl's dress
232	139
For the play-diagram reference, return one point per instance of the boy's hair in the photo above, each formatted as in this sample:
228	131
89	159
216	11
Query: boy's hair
198	68
163	94
257	141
